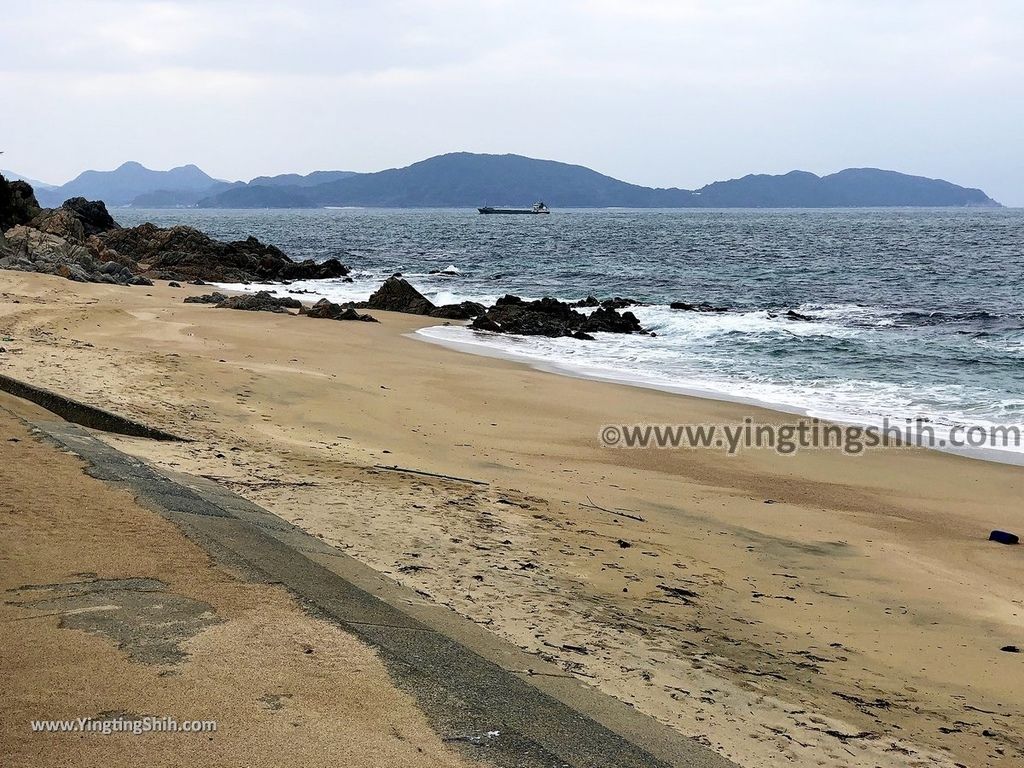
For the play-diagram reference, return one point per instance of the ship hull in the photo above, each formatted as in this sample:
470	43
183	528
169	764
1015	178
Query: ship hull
512	211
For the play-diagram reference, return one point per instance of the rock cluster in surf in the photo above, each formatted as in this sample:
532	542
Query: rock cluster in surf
397	295
553	318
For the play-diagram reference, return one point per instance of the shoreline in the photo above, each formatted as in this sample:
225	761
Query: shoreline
611	376
761	629
934	430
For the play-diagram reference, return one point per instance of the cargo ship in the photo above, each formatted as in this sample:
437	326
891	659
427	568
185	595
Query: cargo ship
537	208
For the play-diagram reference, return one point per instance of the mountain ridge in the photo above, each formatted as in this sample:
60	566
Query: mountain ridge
464	179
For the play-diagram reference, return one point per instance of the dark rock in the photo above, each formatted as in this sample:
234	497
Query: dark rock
174	284
43	251
189	254
197	282
18	203
609	321
92	213
59	222
396	295
793	315
1004	537
1010	649
552	318
700	307
140	280
619	303
582	336
546	317
465	310
328	310
614	303
261	301
72	272
484	323
208	298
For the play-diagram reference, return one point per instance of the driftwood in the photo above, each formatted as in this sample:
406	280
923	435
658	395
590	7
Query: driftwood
396	468
616	512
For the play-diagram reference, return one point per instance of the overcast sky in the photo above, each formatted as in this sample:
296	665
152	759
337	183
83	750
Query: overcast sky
657	92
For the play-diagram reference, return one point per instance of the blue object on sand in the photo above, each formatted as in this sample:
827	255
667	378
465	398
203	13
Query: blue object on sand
1003	537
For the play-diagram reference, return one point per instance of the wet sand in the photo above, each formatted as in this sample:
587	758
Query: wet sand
856	620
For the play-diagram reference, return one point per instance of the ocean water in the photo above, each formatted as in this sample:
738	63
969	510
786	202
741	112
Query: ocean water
916	314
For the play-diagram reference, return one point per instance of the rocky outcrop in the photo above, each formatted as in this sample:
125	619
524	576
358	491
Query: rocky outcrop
553	318
61	241
614	303
607	320
465	310
794	315
33	250
207	298
60	222
261	301
328	310
92	214
396	295
18	204
699	307
184	253
78	238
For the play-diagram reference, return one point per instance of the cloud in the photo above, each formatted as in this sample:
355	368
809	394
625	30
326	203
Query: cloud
666	92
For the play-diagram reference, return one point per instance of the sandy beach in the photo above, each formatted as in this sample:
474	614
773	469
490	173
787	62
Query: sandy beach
816	609
110	613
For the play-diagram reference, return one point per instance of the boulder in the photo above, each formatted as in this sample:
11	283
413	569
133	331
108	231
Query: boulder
465	310
618	302
328	310
544	317
261	301
699	307
57	221
46	250
614	303
72	272
208	298
18	203
92	214
396	295
485	323
607	320
794	315
553	318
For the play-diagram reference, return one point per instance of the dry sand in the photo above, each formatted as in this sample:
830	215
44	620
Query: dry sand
110	612
855	621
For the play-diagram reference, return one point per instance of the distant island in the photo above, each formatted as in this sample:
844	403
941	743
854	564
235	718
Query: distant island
466	180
